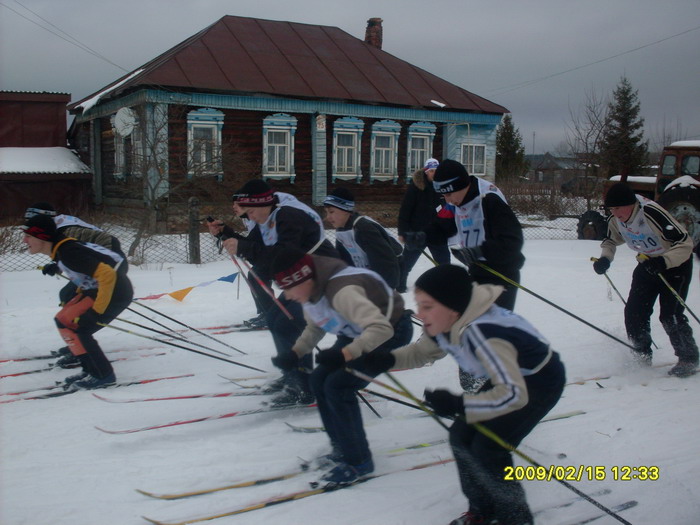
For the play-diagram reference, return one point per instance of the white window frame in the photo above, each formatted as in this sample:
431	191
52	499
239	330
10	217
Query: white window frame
211	120
120	151
389	170
426	132
477	169
348	126
287	125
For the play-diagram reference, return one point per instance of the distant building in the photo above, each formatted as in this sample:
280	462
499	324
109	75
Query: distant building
308	107
549	169
35	164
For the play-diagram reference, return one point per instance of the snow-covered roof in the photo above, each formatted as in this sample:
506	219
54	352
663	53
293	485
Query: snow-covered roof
686	144
96	98
40	160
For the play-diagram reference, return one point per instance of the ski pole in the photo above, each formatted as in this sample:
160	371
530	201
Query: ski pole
266	288
401	390
179	346
364	400
150	319
190	327
171	319
177	337
429	258
550	303
594	259
643	257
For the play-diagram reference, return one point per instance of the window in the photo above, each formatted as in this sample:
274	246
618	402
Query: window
420	146
474	159
347	134
127	144
278	146
690	165
204	143
384	154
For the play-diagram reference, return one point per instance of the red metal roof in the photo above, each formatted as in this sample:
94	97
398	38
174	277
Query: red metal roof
250	55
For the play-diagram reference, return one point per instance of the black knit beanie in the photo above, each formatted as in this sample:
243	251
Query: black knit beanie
450	176
619	194
255	193
40	208
42	227
449	285
291	266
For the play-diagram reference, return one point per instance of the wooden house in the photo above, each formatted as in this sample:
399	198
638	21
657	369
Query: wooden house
35	163
307	107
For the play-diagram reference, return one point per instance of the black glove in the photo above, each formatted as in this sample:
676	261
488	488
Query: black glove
287	361
654	265
444	403
414	241
50	269
467	256
379	362
601	265
332	358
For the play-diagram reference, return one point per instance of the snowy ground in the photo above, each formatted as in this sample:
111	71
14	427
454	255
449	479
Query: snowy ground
58	469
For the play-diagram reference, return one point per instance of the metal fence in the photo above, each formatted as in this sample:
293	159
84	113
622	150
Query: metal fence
543	211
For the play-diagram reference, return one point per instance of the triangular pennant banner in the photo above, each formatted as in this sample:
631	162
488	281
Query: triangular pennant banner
180	294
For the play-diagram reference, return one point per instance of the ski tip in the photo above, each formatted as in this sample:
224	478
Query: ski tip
151	520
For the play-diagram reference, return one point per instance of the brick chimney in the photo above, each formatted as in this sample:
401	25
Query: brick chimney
373	33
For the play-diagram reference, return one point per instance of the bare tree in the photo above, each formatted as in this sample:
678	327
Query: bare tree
165	168
584	135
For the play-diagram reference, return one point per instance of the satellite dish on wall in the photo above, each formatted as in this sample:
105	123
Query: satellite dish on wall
124	121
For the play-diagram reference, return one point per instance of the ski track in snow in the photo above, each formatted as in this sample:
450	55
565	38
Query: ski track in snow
58	469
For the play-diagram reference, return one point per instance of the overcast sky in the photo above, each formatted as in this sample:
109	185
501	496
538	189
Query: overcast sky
489	47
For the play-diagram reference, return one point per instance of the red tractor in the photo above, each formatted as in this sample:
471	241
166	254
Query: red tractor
676	187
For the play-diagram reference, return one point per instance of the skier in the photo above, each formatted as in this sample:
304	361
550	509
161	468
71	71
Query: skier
664	250
368	317
486	229
104	291
361	241
419	208
524	380
278	222
82	231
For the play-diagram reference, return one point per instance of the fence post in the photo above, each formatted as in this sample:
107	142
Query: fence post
194	254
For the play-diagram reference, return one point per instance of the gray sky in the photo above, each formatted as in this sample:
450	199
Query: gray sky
488	47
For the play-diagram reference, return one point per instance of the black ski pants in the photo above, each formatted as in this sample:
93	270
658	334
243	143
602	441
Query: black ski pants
644	291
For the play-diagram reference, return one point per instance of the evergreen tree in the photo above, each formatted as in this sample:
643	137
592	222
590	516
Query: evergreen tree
510	153
624	150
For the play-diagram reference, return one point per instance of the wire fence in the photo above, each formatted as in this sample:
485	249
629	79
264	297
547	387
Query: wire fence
543	212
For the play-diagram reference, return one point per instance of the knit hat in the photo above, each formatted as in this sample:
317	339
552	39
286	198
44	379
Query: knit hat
341	198
449	285
40	208
291	267
42	227
450	176
255	193
619	194
430	164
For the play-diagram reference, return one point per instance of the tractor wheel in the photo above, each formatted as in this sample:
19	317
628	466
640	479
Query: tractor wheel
683	202
592	226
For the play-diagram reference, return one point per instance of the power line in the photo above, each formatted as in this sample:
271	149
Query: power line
70	39
513	87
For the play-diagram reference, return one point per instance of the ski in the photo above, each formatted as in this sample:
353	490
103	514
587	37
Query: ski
240	329
55	356
174	398
238	485
208	418
314	429
49	368
569	503
57	390
294	496
617	508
